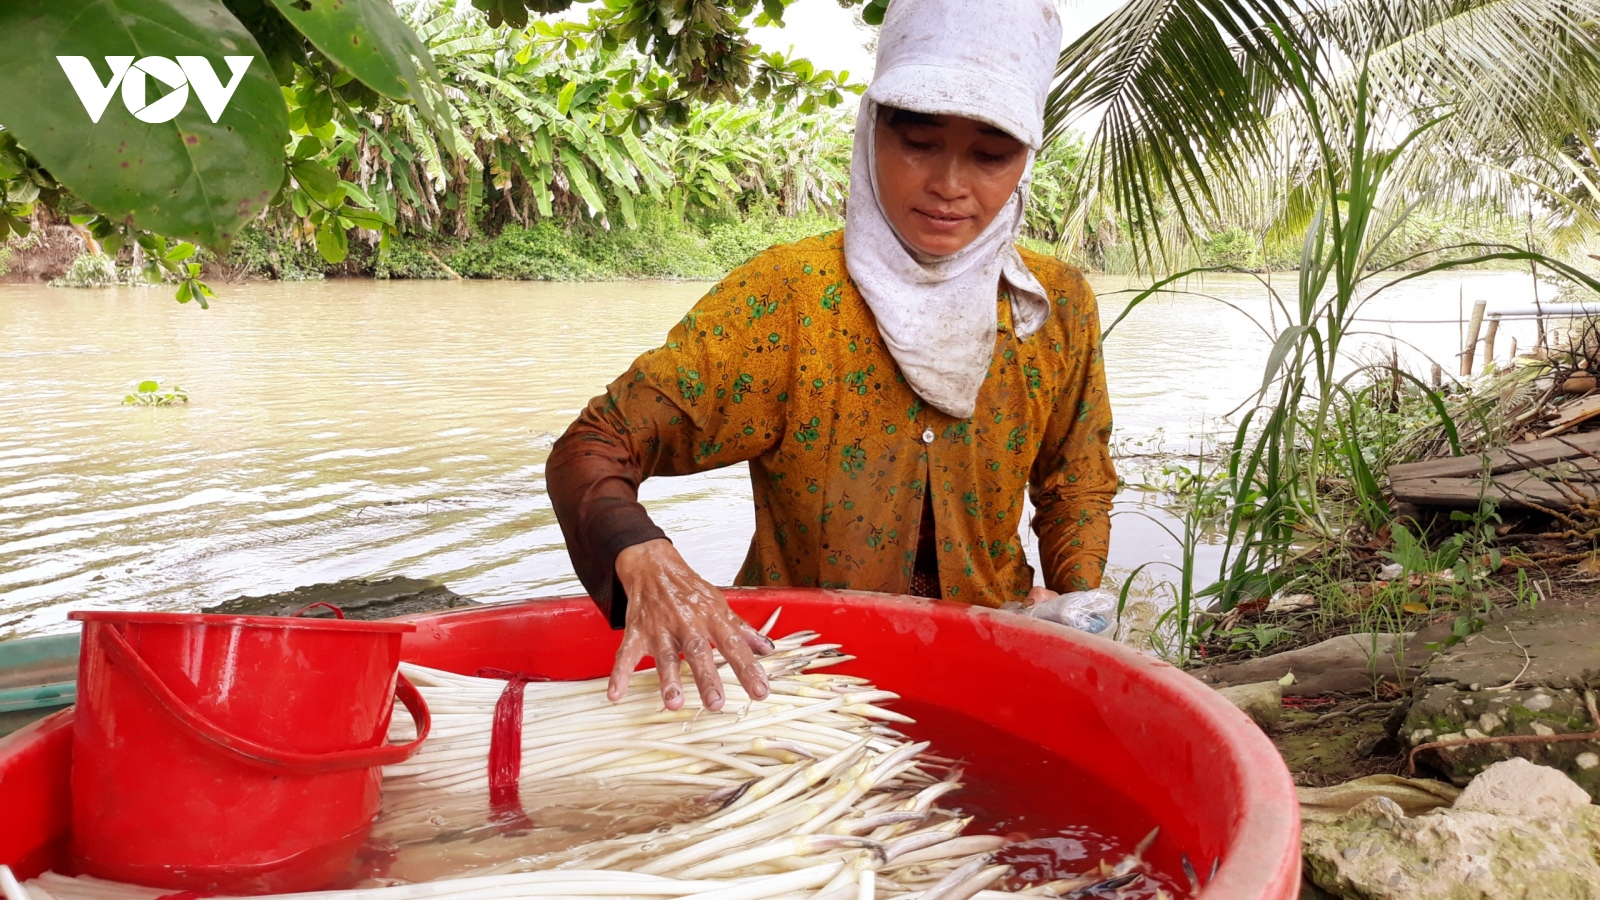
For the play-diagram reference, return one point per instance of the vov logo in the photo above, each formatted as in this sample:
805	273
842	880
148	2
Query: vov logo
179	76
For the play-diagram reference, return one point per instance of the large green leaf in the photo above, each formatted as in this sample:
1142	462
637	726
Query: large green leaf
368	38
186	178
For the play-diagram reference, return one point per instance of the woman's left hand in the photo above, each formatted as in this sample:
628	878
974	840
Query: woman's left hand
1039	594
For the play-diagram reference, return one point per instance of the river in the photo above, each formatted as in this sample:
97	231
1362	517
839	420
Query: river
359	429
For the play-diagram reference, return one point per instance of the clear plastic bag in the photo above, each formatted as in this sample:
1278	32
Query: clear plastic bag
1091	611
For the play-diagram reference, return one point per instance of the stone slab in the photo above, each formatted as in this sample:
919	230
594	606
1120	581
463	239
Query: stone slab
1562	643
359	598
1523	674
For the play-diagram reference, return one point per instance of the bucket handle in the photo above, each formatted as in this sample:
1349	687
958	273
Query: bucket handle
285	762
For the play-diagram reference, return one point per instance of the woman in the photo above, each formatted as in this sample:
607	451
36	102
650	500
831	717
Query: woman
894	388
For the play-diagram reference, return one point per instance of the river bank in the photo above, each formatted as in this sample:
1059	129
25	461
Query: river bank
665	245
660	248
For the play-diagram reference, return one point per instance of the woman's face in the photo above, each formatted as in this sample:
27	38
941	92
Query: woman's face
943	179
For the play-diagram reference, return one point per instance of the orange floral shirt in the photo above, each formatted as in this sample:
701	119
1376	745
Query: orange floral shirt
782	365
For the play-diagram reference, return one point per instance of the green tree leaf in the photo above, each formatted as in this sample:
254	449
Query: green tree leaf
318	106
318	180
332	242
368	38
188	177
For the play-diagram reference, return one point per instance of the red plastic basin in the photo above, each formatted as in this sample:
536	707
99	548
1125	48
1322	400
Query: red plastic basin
1166	742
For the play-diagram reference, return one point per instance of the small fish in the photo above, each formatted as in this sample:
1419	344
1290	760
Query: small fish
1188	871
1110	884
730	795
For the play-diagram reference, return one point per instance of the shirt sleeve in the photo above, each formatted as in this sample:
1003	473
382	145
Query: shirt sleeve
700	401
1073	481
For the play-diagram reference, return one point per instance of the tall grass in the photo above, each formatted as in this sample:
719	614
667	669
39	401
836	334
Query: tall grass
1299	427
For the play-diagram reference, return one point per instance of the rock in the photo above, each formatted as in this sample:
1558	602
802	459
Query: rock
359	598
1345	664
1523	833
1291	603
1262	702
1519	788
1511	679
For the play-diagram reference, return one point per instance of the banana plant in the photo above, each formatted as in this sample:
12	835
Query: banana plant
547	121
360	80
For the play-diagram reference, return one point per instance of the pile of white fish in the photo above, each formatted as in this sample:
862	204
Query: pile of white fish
808	794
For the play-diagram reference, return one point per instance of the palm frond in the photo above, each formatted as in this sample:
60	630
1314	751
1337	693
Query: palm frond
1180	86
1204	124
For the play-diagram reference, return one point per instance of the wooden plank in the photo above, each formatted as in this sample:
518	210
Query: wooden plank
1514	491
1574	415
1509	459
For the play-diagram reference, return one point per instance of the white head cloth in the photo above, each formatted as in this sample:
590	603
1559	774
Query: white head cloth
988	60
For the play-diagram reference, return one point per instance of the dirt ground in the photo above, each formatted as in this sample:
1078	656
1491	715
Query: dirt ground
1337	749
1328	738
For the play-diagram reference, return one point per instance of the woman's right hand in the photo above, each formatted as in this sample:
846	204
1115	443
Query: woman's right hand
673	613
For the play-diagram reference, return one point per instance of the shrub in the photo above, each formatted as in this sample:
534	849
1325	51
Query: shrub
733	241
409	257
1234	247
661	247
89	270
262	252
544	252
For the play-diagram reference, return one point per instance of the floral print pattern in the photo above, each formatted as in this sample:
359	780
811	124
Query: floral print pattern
781	365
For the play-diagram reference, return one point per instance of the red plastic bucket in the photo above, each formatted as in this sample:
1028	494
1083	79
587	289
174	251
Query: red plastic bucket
231	754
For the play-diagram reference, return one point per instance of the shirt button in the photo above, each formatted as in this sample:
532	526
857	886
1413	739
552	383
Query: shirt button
927	436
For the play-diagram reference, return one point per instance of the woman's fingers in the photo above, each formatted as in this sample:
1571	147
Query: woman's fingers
737	648
697	650
759	644
674	611
665	650
628	658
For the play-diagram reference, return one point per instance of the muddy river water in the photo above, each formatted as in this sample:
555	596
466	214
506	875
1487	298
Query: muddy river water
354	429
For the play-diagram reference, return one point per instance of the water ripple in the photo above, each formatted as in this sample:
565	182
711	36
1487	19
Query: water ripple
358	429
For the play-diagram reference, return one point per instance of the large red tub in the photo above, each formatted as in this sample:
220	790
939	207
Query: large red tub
1166	742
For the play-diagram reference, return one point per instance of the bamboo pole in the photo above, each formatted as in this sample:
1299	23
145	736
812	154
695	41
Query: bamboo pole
1488	344
1469	351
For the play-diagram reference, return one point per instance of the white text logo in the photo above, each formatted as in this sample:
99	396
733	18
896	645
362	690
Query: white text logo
179	76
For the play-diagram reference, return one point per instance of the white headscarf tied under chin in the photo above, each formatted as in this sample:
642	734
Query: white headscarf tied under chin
987	60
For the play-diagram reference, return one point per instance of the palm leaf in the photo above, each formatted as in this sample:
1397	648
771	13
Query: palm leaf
1179	85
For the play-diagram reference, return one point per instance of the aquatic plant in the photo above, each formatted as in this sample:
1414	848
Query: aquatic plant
1336	121
152	393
